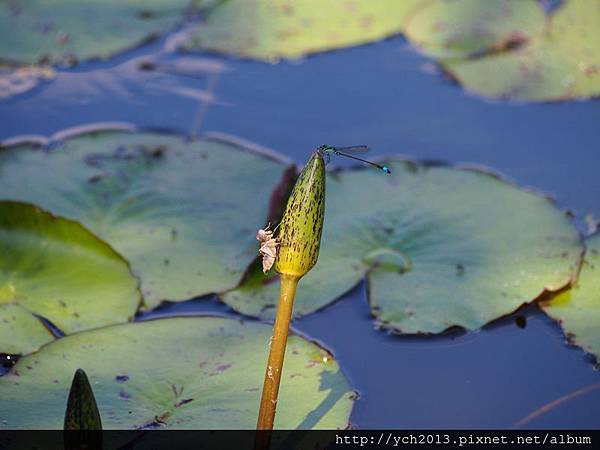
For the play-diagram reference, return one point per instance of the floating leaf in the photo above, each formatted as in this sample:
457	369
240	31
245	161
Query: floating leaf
578	309
57	269
440	247
64	31
183	213
20	331
460	28
561	63
274	29
176	373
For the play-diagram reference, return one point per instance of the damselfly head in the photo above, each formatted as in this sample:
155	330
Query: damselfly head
325	148
327	151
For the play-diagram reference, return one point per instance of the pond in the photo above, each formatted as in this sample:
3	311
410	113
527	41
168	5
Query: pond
395	100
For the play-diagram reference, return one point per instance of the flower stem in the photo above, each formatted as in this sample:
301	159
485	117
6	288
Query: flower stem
268	402
299	241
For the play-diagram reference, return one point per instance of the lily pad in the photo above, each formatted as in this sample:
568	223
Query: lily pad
460	28
183	213
64	31
439	247
273	29
176	373
578	309
57	269
561	63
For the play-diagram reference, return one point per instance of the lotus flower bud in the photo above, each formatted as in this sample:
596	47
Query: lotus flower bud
302	223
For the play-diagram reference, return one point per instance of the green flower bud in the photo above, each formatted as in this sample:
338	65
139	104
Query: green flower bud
82	411
302	223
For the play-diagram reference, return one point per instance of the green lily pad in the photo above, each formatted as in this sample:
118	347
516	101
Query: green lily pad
273	29
20	331
460	28
439	247
64	31
561	63
202	372
578	309
57	269
183	213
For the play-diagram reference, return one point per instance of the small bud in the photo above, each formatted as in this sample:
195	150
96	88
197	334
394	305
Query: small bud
82	411
302	223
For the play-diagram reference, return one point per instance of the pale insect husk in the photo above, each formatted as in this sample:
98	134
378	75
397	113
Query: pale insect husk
268	247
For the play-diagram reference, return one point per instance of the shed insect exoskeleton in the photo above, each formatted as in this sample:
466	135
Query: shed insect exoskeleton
268	247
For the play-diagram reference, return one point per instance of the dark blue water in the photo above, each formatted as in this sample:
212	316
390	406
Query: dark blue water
387	96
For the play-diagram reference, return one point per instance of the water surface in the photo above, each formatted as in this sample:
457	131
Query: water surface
389	97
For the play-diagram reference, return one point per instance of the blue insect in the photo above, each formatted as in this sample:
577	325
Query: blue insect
328	150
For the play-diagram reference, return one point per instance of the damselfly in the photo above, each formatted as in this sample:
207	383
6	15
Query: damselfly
328	150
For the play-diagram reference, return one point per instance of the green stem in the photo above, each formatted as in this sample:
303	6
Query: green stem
268	402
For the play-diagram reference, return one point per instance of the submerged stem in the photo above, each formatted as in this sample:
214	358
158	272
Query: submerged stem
268	402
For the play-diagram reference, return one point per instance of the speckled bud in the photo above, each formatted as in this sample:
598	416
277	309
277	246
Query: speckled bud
302	223
82	411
